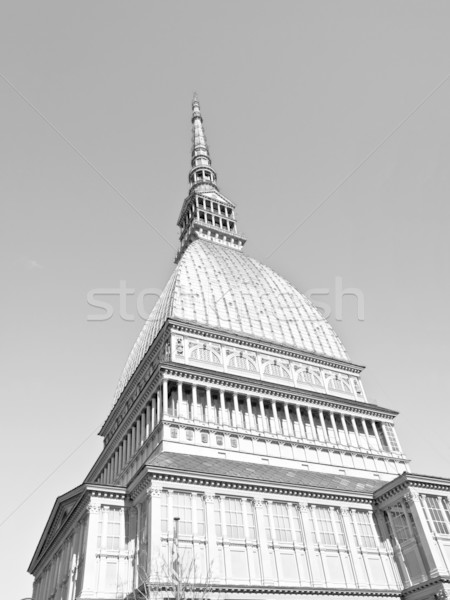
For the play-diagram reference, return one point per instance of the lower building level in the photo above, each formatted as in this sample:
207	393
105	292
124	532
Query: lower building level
247	530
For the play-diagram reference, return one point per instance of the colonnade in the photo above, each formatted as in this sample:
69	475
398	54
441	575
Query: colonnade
230	409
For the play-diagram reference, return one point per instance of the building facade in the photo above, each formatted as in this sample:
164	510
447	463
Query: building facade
240	413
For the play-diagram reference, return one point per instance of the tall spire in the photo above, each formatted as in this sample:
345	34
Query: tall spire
206	213
202	176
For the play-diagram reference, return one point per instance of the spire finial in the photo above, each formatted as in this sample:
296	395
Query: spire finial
201	175
206	213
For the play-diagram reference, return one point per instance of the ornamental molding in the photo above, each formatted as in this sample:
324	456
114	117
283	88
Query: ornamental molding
163	478
276	591
426	585
412	496
405	484
56	538
240	340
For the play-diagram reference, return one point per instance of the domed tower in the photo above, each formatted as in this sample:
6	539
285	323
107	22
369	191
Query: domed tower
240	416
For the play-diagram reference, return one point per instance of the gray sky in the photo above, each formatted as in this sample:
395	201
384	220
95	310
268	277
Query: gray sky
294	95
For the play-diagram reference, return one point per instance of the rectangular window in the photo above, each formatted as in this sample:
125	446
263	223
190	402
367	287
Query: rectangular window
200	512
282	526
339	526
365	529
401	529
392	437
436	514
325	526
298	525
113	529
182	508
234	518
446	509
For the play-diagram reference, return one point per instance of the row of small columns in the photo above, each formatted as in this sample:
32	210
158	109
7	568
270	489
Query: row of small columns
274	410
158	406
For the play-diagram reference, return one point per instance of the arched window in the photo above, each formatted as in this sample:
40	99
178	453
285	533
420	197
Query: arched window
205	353
276	369
242	360
339	384
309	376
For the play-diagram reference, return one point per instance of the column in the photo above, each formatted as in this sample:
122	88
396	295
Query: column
355	429
290	427
335	429
143	427
366	432
119	462
153	408
90	562
194	403
377	435
208	405
263	416
250	412
223	414
179	410
236	408
324	427
298	412
165	398
154	529
344	425
133	440
149	419
276	424
128	446
213	555
311	422
267	568
158	406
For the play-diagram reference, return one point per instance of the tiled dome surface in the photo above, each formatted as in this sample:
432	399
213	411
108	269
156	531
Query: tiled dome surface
223	288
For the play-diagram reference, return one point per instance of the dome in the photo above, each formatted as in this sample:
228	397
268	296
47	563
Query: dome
221	287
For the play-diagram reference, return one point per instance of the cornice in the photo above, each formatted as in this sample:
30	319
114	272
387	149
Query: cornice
408	480
425	585
149	473
51	538
272	590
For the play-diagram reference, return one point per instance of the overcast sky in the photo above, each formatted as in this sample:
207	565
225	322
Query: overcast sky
295	95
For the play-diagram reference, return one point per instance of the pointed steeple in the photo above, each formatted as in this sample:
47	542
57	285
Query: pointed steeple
201	175
206	213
